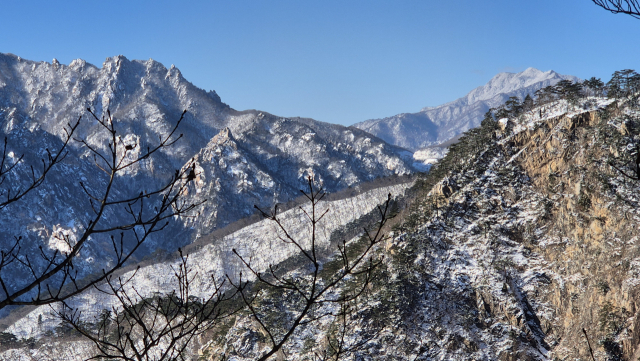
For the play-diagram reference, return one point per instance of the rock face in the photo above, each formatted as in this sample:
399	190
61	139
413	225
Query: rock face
243	158
591	243
439	124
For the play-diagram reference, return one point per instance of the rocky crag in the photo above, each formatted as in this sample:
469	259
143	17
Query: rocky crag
521	241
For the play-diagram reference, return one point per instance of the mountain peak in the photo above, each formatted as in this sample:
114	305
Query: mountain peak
77	63
223	136
532	70
504	83
434	125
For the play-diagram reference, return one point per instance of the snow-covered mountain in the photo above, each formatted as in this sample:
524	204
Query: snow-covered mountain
521	244
521	241
243	158
435	125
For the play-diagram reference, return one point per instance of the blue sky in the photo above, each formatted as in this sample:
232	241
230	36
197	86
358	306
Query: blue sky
335	61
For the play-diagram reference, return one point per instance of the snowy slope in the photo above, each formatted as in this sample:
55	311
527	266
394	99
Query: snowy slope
214	258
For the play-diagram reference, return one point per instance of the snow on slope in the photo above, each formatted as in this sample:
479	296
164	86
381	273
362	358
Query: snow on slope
258	241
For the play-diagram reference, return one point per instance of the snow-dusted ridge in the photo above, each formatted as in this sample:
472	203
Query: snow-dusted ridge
505	83
258	242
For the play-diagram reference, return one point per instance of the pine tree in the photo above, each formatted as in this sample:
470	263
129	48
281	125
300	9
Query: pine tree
623	83
545	95
594	85
513	106
528	103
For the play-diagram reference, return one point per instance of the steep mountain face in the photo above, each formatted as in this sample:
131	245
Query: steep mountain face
520	242
260	158
434	125
145	97
243	158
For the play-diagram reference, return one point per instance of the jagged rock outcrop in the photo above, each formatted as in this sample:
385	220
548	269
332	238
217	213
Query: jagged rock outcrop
592	233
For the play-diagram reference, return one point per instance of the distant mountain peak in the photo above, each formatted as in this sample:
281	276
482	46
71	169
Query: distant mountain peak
435	125
533	70
505	82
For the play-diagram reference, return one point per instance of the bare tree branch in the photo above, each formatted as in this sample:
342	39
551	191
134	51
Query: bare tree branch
10	195
152	328
148	212
307	293
629	7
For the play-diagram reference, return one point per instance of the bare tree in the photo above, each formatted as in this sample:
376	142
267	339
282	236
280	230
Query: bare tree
50	275
161	327
311	293
629	7
9	193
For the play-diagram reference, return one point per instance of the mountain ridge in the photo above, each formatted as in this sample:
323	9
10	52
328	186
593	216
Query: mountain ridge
434	125
266	164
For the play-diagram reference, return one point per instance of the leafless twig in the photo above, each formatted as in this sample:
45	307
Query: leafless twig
629	7
51	274
160	327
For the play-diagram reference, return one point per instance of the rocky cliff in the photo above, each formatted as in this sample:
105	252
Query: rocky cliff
520	242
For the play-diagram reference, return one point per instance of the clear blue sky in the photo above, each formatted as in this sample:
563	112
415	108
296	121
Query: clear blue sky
336	61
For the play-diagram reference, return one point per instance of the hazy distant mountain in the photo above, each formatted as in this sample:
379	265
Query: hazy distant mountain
434	125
